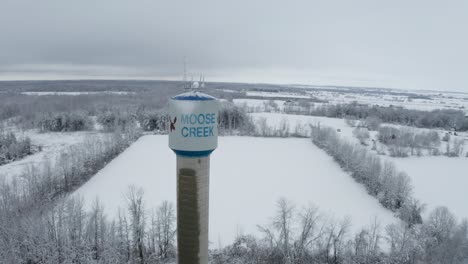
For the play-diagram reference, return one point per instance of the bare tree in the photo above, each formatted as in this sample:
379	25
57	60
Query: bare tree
282	223
137	223
166	229
309	232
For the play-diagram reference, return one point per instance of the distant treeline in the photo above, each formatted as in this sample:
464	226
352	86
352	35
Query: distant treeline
446	119
87	86
108	112
28	110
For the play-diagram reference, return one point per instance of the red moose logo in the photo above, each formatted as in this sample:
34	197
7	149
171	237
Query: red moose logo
173	123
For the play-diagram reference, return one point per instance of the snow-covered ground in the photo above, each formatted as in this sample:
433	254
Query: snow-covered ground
248	175
52	144
439	181
428	100
419	100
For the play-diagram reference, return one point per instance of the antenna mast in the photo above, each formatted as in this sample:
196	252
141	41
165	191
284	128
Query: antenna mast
191	85
186	83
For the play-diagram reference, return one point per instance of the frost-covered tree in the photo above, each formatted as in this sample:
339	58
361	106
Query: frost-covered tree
362	134
137	223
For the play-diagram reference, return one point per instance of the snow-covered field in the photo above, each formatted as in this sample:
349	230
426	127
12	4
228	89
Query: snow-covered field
52	145
428	101
424	100
248	175
439	181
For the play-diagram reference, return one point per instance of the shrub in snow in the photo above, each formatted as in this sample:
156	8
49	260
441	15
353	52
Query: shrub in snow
67	122
234	120
112	121
372	123
12	148
362	134
153	121
403	142
446	137
396	151
455	148
444	118
270	106
351	122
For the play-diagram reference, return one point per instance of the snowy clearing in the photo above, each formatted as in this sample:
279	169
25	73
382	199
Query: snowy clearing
439	181
248	175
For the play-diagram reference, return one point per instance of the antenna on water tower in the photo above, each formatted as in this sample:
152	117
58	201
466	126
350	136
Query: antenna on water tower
193	136
187	84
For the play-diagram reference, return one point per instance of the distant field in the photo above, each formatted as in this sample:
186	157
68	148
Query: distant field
248	175
439	181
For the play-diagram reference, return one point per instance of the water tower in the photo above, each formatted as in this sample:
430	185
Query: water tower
193	135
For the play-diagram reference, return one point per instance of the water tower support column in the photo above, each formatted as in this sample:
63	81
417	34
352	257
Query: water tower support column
192	209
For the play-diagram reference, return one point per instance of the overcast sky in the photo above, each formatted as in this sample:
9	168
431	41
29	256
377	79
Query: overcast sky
400	44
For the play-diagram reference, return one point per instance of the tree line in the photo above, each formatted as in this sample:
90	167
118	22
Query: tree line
441	118
305	235
40	185
67	232
107	112
405	142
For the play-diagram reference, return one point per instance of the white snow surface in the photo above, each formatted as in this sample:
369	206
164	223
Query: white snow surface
248	176
439	181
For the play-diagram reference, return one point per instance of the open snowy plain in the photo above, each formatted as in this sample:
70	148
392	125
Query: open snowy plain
248	176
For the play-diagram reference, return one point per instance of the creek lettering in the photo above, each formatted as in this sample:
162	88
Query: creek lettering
198	125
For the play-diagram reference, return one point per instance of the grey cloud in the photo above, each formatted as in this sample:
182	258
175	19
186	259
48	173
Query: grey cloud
405	44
